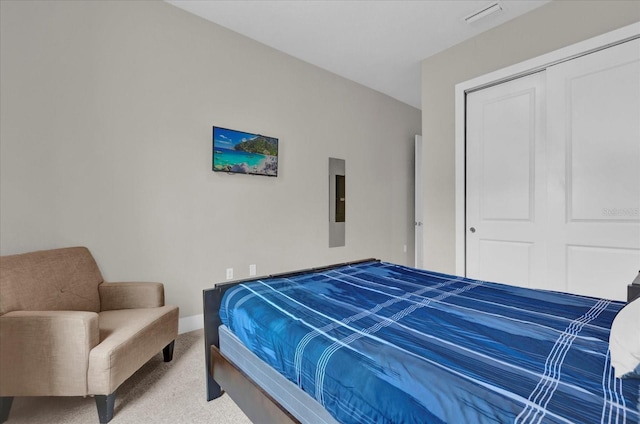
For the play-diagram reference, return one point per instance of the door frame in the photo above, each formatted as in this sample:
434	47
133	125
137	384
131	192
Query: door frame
521	69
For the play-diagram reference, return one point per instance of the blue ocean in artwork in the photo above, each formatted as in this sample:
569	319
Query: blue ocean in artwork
240	152
226	157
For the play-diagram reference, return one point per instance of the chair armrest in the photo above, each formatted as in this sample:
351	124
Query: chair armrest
46	353
130	295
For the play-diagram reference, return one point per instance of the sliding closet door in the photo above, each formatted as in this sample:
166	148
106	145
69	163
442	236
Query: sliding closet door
506	188
553	176
594	172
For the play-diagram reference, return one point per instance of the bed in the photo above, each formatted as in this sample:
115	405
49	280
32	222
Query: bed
370	342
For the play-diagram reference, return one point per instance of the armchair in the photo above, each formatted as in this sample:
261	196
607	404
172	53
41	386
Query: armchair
66	332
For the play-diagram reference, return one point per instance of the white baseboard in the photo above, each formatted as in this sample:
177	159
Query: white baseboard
194	322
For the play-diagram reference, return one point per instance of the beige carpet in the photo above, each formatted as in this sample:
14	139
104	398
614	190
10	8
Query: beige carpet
159	392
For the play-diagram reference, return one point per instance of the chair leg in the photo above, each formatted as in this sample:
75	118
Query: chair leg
105	405
5	407
167	351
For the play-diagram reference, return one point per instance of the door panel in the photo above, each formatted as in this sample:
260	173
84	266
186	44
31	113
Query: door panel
603	140
505	262
592	269
506	181
507	152
594	171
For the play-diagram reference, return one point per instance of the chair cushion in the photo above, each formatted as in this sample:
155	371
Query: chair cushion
45	353
50	280
128	339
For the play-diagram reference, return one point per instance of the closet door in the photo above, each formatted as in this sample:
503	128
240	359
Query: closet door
594	172
505	182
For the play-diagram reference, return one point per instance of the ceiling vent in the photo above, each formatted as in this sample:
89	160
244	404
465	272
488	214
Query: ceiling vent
488	10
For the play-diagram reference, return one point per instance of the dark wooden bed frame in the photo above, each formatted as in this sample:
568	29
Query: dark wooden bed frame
252	399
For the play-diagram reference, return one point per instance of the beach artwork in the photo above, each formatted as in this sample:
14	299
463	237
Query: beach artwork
244	153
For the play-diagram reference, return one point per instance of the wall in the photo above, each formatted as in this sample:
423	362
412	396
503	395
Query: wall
106	113
548	28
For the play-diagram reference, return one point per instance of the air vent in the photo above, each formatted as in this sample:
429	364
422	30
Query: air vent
490	9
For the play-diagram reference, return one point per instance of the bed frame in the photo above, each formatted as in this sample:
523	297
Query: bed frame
633	289
252	399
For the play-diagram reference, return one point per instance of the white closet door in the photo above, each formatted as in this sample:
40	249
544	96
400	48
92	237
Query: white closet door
594	172
506	188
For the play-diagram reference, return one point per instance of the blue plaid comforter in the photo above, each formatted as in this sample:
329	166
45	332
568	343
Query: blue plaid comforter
383	343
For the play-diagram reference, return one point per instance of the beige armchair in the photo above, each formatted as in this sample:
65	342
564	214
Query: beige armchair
66	332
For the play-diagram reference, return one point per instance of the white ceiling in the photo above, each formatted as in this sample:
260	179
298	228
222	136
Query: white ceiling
377	43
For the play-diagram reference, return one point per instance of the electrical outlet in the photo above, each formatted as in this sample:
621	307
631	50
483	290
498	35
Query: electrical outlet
229	273
404	249
252	269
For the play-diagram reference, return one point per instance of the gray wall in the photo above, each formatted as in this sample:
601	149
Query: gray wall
106	112
548	28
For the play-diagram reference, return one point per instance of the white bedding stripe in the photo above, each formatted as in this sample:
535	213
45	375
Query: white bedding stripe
313	334
486	302
326	355
612	407
549	380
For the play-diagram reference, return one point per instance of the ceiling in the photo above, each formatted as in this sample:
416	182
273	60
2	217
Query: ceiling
377	43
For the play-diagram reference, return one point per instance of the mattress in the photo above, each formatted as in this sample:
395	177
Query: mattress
382	343
298	403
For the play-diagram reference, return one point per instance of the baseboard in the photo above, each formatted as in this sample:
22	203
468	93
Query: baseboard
194	322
